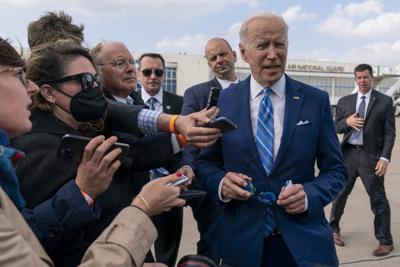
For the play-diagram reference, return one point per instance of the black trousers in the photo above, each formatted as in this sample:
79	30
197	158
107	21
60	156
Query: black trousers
361	164
276	253
169	228
205	212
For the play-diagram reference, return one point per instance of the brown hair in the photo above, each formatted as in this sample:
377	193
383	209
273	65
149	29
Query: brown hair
49	61
52	27
152	55
8	55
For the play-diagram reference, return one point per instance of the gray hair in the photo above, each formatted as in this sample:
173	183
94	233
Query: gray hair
266	15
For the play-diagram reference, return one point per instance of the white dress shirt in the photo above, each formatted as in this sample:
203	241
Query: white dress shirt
225	83
158	105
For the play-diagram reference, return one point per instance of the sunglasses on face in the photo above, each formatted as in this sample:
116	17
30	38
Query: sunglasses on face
21	74
87	80
157	72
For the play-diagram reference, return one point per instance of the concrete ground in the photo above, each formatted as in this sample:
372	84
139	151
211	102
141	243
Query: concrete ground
356	224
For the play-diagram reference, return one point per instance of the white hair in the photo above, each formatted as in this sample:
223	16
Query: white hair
265	15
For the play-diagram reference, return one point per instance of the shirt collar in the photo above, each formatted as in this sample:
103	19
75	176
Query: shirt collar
367	95
225	83
278	88
120	99
146	96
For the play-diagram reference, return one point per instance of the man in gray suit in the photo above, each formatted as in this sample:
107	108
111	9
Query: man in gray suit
366	119
221	59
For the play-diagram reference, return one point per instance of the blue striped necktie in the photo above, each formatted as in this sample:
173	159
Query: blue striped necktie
265	146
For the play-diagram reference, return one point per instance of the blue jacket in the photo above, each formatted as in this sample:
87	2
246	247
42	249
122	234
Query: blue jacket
240	235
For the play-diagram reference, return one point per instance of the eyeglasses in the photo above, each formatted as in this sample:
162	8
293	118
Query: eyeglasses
21	74
120	64
157	72
87	80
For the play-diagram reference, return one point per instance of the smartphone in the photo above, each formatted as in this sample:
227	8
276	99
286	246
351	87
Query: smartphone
192	194
183	179
213	97
72	147
223	123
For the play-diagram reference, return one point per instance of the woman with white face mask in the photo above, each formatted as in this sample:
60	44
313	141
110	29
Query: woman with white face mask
129	235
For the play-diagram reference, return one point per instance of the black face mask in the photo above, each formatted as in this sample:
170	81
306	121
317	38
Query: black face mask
87	105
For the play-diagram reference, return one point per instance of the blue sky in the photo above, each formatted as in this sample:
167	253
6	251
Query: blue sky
346	31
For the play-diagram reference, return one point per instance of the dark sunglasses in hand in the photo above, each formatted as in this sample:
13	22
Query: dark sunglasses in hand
157	72
87	80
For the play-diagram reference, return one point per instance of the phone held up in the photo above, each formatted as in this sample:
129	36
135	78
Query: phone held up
223	123
213	97
73	146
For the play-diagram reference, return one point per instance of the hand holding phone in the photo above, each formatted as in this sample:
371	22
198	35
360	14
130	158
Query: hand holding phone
223	123
73	146
183	179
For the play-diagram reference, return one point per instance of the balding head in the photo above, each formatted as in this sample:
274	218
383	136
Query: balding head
221	58
117	68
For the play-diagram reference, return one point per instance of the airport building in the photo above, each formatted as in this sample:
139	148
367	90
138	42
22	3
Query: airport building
184	71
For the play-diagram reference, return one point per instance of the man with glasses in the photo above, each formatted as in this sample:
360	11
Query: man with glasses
119	84
169	225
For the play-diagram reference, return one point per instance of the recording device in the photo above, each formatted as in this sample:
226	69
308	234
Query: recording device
192	194
223	123
72	147
183	179
213	97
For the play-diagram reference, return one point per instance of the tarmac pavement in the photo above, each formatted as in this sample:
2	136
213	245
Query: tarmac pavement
356	224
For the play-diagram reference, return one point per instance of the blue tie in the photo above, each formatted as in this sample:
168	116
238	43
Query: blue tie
265	132
265	146
159	172
152	101
356	136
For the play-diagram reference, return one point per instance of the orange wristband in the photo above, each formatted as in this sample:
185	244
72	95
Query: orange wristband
88	198
172	123
182	140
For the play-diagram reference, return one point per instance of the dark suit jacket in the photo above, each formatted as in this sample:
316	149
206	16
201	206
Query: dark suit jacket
308	235
195	99
172	103
379	132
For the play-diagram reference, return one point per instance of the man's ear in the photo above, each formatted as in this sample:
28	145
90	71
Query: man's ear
243	53
47	93
234	55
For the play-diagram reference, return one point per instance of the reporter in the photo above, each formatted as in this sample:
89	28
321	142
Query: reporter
18	244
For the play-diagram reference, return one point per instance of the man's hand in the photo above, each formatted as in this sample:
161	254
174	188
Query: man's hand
232	186
293	199
191	127
381	167
355	122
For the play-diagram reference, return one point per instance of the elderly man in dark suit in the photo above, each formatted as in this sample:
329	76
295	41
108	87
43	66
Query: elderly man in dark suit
221	60
366	119
119	77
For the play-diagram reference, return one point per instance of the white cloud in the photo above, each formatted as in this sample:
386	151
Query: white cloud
346	21
295	14
183	44
361	9
387	53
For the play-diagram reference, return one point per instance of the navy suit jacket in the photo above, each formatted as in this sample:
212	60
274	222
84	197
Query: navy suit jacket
307	235
195	99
